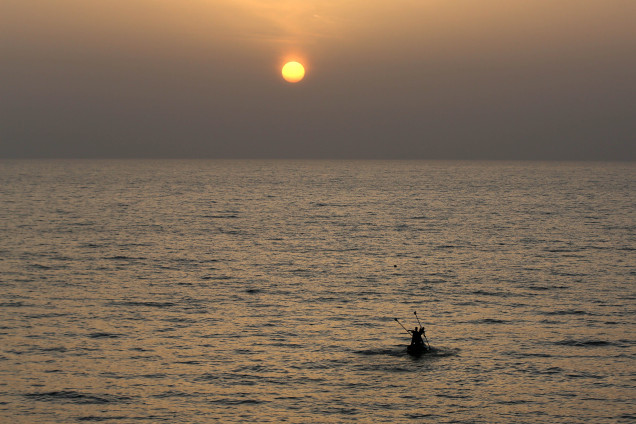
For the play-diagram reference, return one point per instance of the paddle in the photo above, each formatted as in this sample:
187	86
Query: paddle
417	318
396	320
423	331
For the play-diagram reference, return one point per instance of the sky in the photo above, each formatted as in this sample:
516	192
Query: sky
398	79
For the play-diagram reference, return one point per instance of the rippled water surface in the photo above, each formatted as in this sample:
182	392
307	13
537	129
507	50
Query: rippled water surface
247	291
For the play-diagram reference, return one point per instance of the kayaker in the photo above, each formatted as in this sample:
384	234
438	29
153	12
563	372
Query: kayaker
416	337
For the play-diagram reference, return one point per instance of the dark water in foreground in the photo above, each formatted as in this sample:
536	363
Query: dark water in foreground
204	291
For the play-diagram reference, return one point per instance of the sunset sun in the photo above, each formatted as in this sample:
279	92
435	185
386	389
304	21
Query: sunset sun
293	72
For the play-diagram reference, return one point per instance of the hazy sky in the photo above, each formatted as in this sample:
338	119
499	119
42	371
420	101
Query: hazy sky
485	79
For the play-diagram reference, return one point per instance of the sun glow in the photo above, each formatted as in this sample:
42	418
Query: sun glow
293	72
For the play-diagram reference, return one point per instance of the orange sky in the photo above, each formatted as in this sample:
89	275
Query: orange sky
463	61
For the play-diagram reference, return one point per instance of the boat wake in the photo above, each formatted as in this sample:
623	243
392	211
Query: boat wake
400	351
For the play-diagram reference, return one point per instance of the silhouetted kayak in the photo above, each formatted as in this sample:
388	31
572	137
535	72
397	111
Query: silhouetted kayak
416	350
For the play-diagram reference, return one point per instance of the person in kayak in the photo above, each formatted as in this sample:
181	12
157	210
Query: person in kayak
416	337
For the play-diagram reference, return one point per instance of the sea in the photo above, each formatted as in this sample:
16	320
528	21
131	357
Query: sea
242	291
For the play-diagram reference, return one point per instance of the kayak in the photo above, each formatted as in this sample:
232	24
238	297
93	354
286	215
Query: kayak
416	350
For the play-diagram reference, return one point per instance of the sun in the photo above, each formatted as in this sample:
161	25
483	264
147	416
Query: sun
293	72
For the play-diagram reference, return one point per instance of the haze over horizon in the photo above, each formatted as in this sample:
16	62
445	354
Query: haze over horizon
428	79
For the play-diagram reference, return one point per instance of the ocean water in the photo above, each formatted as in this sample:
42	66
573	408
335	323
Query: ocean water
266	291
